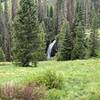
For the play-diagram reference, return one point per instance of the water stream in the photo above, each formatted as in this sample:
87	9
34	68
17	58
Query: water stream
51	45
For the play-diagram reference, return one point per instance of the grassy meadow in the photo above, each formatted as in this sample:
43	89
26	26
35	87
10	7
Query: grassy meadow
81	77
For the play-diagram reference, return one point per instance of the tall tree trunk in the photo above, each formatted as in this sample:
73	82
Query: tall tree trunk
40	10
6	34
59	15
45	8
87	12
14	8
71	11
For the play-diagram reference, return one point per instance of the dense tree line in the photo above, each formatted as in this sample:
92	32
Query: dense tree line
27	27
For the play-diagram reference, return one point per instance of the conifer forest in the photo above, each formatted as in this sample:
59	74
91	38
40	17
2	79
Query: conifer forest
49	49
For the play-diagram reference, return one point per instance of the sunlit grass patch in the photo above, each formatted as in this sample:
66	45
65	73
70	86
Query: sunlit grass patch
81	77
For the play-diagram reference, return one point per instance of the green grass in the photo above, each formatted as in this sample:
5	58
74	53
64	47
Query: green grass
82	77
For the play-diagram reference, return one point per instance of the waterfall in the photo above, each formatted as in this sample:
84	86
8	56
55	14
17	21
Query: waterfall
50	49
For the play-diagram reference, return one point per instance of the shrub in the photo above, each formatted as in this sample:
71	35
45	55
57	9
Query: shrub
32	91
7	92
2	56
51	79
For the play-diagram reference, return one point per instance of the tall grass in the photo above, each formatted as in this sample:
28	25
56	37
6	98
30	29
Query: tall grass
31	91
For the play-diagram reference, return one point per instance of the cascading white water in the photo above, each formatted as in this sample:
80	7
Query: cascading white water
50	49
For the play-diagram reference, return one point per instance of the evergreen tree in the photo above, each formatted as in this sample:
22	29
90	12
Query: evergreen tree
65	47
50	29
48	11
93	44
50	25
78	51
26	37
0	25
2	55
42	36
51	11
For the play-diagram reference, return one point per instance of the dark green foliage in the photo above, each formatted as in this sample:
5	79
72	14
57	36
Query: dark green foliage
65	42
0	39
48	11
0	26
93	43
51	11
51	80
78	51
42	35
95	19
50	29
2	56
50	24
98	20
26	34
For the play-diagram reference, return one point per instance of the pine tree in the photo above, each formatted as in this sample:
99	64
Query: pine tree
65	47
51	11
48	11
0	25
78	51
42	36
26	37
2	55
50	29
50	25
93	44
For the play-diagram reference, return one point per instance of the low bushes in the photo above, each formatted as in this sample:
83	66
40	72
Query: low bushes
51	79
46	86
8	92
32	91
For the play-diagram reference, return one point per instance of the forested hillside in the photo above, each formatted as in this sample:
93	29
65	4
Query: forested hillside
52	14
49	49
